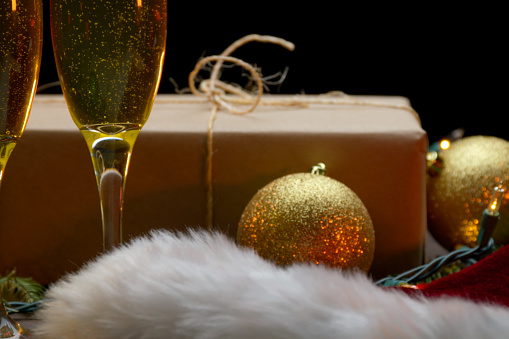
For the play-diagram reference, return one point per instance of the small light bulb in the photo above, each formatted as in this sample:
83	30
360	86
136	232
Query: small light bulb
490	217
445	144
496	199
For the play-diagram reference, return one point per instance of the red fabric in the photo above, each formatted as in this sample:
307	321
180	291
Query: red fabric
485	281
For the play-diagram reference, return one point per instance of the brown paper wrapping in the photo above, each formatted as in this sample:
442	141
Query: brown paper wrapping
49	204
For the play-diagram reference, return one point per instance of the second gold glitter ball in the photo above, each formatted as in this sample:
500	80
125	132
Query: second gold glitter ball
462	188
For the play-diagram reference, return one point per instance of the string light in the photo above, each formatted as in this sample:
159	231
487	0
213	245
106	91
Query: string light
445	144
494	206
23	307
434	161
485	246
490	216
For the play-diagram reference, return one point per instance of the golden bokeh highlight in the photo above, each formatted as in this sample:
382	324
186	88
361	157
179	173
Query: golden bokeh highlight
445	144
463	189
308	217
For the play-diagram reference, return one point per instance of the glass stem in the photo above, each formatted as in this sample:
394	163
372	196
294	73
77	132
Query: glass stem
110	156
111	195
6	147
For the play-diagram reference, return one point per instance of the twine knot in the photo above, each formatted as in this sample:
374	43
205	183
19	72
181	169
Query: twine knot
216	91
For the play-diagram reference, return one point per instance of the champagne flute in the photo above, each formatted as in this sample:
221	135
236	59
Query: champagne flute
20	59
109	56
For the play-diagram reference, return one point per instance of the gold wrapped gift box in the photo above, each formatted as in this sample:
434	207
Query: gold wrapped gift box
49	204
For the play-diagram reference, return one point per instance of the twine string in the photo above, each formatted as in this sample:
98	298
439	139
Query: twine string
216	92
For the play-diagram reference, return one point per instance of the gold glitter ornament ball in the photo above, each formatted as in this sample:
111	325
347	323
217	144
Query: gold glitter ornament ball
459	193
307	217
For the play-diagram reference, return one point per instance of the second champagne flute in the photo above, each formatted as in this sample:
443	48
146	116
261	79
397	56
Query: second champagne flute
109	56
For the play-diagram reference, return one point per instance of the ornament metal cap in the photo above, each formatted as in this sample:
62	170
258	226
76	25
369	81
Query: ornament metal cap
319	169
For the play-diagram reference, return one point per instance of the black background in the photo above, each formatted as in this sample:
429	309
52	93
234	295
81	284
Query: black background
450	61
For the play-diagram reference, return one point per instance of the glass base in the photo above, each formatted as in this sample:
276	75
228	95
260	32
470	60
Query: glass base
8	327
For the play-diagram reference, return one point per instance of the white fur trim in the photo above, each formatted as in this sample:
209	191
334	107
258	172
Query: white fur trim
203	286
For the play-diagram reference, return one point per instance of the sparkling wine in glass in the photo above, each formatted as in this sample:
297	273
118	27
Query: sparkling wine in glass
20	59
109	56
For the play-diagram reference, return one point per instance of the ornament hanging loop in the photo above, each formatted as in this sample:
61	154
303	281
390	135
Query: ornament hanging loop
319	169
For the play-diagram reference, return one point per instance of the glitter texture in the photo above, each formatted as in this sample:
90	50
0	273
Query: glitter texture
308	217
457	196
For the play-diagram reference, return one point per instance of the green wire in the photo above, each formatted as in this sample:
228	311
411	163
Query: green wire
423	272
23	307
